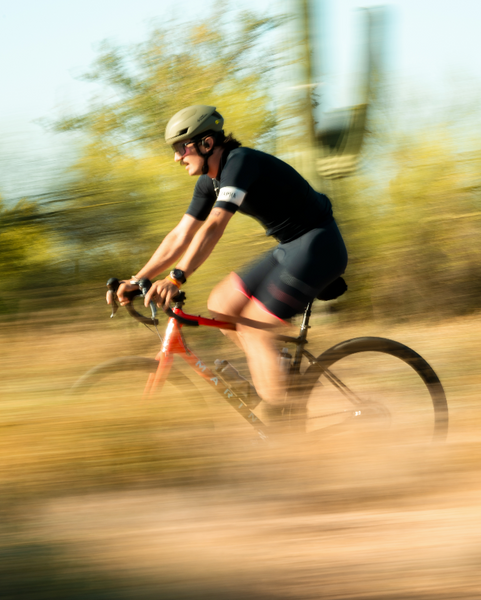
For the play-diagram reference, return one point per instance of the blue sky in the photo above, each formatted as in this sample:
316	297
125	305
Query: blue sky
46	44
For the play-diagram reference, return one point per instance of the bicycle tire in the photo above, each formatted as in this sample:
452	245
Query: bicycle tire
179	406
122	364
435	407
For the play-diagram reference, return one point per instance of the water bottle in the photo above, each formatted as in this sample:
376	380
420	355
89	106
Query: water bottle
284	361
239	384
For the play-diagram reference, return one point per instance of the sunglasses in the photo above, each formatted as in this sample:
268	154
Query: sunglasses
179	147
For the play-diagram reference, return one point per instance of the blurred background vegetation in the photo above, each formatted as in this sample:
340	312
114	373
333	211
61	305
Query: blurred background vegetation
410	214
411	217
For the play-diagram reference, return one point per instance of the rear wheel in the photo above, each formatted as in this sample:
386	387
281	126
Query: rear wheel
379	384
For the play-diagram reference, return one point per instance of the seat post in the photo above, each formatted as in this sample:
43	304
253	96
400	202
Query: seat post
305	321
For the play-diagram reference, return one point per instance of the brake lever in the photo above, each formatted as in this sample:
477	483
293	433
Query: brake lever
153	308
113	301
145	285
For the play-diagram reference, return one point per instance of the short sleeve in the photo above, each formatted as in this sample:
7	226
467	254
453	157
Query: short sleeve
230	198
203	199
238	175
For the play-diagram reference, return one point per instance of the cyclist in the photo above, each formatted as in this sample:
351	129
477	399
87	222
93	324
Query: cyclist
310	253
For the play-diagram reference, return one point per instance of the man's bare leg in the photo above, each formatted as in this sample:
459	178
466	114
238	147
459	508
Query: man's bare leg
226	302
262	354
258	342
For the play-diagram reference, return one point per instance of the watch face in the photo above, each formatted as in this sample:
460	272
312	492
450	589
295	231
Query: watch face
178	274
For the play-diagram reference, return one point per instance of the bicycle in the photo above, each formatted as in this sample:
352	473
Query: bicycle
336	389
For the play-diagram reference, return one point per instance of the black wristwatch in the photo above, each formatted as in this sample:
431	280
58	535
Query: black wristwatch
179	275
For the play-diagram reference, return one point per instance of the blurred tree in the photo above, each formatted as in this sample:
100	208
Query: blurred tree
413	233
411	215
27	249
125	192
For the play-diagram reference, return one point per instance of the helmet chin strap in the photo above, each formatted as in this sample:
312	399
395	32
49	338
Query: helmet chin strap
205	167
207	155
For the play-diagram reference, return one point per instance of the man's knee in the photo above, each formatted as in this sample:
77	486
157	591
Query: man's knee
225	299
213	301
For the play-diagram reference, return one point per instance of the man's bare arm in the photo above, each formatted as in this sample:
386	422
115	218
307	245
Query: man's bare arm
172	247
170	250
198	251
205	240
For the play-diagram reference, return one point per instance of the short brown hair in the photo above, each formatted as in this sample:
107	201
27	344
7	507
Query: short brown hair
229	142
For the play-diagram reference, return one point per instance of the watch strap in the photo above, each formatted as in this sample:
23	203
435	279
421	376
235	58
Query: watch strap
179	275
175	281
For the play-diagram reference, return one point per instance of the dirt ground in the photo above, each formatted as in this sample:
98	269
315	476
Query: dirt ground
95	505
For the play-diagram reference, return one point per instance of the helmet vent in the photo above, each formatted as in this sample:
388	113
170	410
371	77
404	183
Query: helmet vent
183	131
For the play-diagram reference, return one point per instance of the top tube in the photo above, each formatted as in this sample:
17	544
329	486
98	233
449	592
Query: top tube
191	320
185	319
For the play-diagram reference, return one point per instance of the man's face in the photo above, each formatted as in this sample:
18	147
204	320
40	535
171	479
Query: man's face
192	161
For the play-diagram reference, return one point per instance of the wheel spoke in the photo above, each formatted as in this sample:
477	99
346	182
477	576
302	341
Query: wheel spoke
342	387
390	384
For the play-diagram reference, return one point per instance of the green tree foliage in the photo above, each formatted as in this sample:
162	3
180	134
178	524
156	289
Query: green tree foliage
27	250
414	232
125	192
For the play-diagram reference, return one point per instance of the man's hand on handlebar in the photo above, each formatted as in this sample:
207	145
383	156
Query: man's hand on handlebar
124	287
161	293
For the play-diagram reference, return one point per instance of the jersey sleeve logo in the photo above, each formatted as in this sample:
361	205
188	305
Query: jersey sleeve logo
231	194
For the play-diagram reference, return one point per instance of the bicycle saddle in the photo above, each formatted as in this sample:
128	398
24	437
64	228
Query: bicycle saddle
335	289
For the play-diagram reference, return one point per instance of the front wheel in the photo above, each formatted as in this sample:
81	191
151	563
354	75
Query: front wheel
379	383
168	434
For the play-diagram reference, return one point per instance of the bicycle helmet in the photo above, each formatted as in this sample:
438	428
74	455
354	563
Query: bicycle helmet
189	123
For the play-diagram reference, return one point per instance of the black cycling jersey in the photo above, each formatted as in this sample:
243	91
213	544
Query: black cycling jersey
266	188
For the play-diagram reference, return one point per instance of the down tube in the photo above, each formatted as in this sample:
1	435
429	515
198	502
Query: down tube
229	395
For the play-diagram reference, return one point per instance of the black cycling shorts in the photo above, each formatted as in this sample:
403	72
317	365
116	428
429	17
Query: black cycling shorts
286	278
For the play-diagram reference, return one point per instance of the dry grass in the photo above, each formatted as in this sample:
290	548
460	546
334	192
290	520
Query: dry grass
109	499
